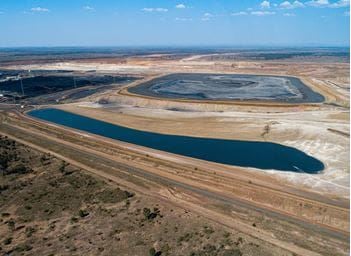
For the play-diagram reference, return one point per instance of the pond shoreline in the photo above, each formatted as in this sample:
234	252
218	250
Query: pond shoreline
261	155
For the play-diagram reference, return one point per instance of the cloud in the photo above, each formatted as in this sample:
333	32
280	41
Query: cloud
265	4
161	10
207	16
262	13
88	8
327	4
158	9
292	5
318	3
183	19
288	14
340	3
39	9
239	13
180	6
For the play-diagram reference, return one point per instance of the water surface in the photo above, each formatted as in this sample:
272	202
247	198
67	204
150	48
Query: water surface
262	155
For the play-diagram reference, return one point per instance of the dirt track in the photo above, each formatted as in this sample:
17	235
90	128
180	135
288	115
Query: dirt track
172	183
282	209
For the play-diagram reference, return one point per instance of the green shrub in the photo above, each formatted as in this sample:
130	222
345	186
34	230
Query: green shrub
83	213
8	241
150	215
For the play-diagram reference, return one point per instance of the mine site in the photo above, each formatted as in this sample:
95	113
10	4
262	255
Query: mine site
175	128
169	152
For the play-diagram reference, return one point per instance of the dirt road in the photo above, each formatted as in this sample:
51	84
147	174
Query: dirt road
199	191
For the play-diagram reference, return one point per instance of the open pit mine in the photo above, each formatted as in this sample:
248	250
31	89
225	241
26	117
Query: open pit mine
257	149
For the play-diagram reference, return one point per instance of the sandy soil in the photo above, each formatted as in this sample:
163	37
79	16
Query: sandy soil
300	130
72	212
233	199
321	130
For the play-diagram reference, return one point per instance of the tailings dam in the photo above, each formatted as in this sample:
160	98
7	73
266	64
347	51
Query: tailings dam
229	87
261	155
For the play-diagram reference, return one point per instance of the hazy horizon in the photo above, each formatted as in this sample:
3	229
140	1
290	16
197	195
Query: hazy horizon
243	47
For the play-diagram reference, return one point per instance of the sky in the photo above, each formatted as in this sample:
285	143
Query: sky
174	23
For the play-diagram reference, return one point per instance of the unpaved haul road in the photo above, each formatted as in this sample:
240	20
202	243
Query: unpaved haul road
109	168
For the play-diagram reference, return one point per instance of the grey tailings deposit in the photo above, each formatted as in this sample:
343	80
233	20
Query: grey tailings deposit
229	87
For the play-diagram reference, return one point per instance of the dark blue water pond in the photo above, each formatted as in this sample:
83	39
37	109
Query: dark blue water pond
262	155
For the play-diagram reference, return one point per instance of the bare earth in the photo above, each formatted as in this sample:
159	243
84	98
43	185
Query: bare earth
282	212
54	208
